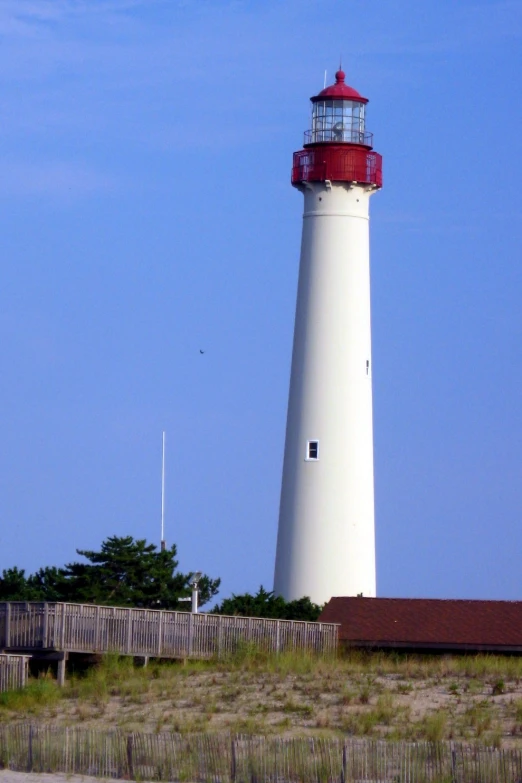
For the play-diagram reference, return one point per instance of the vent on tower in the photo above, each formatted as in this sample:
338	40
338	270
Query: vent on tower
312	450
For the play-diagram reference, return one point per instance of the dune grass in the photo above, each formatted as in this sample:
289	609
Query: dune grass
468	698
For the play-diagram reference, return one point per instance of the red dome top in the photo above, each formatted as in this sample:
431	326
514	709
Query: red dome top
339	91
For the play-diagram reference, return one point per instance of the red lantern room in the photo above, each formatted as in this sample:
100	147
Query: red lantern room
338	147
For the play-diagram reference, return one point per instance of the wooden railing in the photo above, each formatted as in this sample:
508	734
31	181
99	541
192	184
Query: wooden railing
208	758
13	671
145	632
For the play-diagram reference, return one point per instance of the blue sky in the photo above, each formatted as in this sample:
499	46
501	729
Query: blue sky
146	212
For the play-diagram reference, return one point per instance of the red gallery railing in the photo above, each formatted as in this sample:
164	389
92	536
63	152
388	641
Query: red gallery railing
337	163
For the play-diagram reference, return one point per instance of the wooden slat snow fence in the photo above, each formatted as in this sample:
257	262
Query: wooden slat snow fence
146	632
221	758
13	671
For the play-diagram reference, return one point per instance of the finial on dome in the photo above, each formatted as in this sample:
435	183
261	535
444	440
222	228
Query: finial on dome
339	76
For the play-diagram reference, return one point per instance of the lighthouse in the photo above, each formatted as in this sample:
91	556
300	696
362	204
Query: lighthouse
326	535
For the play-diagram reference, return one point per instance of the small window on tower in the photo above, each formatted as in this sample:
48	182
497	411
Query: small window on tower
312	450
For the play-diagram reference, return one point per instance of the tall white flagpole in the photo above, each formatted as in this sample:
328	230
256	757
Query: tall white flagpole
163	494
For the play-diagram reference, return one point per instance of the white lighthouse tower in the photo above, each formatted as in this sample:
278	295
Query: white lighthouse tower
326	538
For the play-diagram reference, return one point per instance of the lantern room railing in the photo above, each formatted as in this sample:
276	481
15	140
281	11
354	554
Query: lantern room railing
338	136
338	164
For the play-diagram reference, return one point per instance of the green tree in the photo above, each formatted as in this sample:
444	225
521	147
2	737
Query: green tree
267	604
124	572
129	572
14	586
49	584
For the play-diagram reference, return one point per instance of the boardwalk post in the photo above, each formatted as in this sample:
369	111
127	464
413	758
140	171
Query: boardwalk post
219	635
343	768
160	634
97	628
62	628
22	673
129	631
61	669
8	625
278	636
45	633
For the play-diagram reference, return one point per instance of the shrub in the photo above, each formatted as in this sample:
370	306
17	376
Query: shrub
435	726
498	688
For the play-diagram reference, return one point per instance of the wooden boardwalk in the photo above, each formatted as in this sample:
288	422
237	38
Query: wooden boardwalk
13	671
85	628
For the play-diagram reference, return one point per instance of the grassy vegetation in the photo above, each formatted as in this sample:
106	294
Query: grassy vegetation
475	698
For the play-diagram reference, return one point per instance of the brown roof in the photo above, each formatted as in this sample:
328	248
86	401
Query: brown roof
426	622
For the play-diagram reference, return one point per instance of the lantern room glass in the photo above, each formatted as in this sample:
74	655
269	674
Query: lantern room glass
338	121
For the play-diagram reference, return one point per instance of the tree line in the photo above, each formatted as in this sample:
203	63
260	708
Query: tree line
130	572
